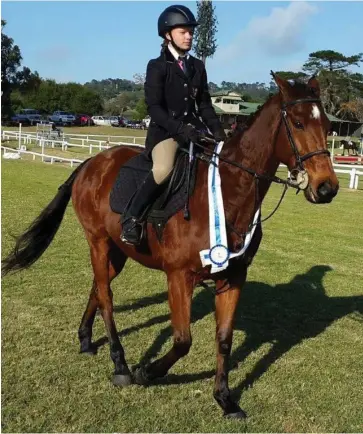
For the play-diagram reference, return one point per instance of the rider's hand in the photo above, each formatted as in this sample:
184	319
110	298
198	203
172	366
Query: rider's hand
220	135
190	133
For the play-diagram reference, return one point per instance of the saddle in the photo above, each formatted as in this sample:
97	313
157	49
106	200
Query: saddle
173	194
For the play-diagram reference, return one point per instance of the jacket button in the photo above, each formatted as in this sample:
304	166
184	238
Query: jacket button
185	99
185	113
185	85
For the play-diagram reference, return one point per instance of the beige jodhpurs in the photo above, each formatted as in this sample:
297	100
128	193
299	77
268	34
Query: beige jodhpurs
163	156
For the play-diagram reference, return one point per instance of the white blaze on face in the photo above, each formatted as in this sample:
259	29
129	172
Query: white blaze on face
315	112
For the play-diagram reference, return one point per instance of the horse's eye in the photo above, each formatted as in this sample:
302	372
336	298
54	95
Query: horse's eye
299	125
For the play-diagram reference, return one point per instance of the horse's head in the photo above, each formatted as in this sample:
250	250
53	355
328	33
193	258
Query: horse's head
302	139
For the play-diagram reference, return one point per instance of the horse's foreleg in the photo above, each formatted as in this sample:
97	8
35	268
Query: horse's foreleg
226	304
117	261
100	256
180	291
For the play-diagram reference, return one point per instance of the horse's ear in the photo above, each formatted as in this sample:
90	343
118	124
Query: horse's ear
314	85
283	85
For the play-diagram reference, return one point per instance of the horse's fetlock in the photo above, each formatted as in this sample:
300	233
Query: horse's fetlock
224	347
182	347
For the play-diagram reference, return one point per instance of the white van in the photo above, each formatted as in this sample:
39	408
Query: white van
101	120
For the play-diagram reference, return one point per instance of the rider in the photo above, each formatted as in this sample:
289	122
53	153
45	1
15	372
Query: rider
180	107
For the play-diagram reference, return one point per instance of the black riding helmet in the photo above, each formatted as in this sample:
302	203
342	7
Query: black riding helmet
175	16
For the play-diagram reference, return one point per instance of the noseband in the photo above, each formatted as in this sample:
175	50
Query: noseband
298	158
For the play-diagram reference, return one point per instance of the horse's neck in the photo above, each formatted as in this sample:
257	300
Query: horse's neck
256	146
255	150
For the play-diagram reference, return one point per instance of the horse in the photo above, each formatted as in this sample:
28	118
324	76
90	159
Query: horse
348	145
290	128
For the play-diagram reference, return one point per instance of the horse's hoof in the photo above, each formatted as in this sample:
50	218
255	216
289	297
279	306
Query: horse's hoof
238	415
90	350
140	375
121	380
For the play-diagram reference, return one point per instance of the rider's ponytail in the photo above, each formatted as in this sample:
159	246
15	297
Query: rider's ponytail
164	45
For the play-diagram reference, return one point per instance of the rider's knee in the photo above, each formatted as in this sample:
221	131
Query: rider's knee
161	172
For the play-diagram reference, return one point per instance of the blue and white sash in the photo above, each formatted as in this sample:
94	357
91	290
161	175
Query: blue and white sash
218	255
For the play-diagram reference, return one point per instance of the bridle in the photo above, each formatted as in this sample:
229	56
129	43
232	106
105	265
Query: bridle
298	158
294	180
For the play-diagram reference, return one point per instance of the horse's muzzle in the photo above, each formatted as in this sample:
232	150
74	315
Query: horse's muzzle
326	192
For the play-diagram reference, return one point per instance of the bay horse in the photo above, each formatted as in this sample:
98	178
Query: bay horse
290	128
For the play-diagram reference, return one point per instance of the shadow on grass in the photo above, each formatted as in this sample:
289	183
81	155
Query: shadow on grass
283	316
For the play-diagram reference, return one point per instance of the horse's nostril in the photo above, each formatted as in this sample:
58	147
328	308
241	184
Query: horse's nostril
326	191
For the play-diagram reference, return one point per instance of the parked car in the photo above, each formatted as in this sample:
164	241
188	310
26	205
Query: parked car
117	121
135	124
101	120
83	120
26	117
62	118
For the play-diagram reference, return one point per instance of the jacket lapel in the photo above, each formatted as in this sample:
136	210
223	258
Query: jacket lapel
175	66
191	68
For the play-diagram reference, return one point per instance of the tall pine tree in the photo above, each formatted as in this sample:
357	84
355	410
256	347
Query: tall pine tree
205	41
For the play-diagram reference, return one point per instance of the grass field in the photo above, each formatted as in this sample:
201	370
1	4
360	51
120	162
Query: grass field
298	344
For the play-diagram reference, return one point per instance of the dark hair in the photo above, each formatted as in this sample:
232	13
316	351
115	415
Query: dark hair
164	45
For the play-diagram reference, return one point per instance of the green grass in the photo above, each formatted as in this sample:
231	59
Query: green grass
298	342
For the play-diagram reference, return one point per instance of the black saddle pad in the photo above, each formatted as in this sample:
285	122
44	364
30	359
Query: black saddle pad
173	195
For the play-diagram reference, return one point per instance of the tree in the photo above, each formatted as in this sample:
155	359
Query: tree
352	110
289	75
118	105
27	81
141	108
331	61
139	78
10	62
204	41
338	84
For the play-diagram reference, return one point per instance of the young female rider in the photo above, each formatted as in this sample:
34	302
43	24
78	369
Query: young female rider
180	107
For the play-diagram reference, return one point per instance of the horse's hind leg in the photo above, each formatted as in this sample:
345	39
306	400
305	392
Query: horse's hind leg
100	256
180	292
85	328
117	260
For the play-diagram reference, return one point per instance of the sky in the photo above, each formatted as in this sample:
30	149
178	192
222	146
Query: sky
84	40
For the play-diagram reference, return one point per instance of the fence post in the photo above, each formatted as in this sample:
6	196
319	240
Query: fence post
19	135
352	178
134	140
356	182
42	144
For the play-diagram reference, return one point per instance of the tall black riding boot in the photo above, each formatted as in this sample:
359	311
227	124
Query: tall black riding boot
131	223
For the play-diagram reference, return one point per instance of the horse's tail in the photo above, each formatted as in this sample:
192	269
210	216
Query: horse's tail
35	240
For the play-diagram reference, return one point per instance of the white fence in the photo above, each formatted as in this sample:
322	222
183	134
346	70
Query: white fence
354	173
87	142
44	157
